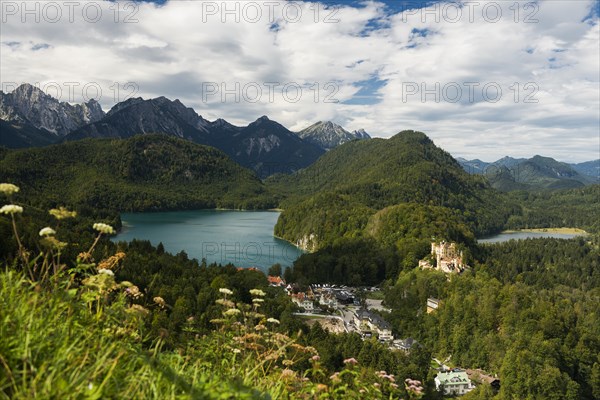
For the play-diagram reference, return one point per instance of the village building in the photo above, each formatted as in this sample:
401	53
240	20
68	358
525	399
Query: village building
275	281
454	382
432	305
328	300
301	300
369	324
481	377
405	344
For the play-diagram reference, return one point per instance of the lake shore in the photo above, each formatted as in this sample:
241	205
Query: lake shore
566	231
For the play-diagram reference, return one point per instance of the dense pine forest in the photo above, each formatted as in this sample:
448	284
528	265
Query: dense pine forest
131	320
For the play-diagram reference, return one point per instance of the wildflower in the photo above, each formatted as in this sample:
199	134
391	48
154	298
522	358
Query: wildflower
236	351
273	321
47	231
160	301
11	209
84	257
106	271
257	292
137	309
104	228
225	291
315	358
377	385
351	361
225	303
112	261
335	378
321	387
133	291
258	300
288	373
393	385
62	213
8	188
231	312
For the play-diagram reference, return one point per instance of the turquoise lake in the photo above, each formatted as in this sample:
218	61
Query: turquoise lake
243	238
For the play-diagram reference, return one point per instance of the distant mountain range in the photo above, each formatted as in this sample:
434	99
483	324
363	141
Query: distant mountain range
534	173
31	118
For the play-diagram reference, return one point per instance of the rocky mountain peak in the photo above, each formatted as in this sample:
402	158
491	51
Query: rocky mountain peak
29	105
327	135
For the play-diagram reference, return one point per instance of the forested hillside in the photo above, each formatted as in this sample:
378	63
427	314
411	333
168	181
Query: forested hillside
579	208
152	172
528	311
336	197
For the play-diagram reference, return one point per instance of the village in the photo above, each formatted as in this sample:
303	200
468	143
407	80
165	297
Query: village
340	309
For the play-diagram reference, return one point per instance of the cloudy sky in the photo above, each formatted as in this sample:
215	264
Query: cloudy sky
482	78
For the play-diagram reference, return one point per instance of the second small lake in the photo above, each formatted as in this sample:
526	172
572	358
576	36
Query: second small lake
506	236
243	238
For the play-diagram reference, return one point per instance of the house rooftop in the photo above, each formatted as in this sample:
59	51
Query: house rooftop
455	376
374	318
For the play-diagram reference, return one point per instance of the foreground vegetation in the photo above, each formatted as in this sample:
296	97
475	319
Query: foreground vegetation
75	328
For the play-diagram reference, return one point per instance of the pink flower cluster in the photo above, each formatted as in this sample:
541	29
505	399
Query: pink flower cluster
413	386
351	361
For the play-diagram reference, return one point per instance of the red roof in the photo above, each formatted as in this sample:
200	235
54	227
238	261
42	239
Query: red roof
275	280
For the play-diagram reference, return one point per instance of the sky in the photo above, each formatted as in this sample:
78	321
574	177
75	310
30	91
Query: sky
483	79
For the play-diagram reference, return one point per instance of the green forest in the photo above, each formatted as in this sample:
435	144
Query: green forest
129	320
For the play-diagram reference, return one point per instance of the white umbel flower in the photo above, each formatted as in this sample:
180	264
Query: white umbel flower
47	231
106	271
11	209
8	188
104	228
231	312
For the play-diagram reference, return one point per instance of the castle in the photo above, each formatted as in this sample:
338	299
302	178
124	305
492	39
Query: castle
447	258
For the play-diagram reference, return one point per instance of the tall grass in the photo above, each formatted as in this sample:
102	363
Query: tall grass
53	346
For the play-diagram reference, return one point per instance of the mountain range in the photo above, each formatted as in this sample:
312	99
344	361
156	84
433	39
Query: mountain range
31	118
537	172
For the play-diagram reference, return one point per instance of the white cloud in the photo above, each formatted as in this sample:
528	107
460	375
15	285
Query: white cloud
173	49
